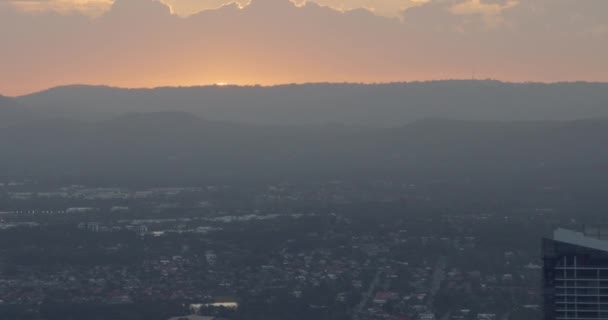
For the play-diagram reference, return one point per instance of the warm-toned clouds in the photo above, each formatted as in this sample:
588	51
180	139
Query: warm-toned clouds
390	8
141	43
188	7
87	7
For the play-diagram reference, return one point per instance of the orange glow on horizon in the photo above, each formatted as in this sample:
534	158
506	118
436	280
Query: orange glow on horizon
141	44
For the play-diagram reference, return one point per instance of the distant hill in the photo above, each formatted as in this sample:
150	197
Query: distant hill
171	146
382	105
11	113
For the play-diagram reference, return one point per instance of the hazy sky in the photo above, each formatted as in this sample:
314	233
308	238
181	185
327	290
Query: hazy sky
143	43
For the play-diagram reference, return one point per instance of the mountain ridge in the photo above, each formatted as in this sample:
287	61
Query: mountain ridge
182	146
12	113
378	105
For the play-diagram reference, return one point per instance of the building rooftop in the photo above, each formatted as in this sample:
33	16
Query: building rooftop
580	239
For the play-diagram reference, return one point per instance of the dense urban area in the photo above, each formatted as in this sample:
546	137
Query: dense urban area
312	250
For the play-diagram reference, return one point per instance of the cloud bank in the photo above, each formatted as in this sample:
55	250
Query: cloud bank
188	7
142	43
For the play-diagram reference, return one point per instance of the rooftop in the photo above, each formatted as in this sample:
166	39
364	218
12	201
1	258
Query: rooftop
580	239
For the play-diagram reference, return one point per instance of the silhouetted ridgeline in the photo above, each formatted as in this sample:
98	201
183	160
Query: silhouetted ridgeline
369	105
179	146
11	113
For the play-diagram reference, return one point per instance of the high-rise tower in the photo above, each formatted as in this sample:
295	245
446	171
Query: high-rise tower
575	275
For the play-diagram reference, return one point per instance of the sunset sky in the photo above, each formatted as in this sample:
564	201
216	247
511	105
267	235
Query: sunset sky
147	43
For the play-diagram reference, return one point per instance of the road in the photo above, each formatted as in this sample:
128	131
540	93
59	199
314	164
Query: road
438	276
367	295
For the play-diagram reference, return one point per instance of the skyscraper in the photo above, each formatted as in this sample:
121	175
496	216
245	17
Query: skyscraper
575	275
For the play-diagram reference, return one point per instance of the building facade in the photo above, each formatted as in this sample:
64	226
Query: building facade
575	275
